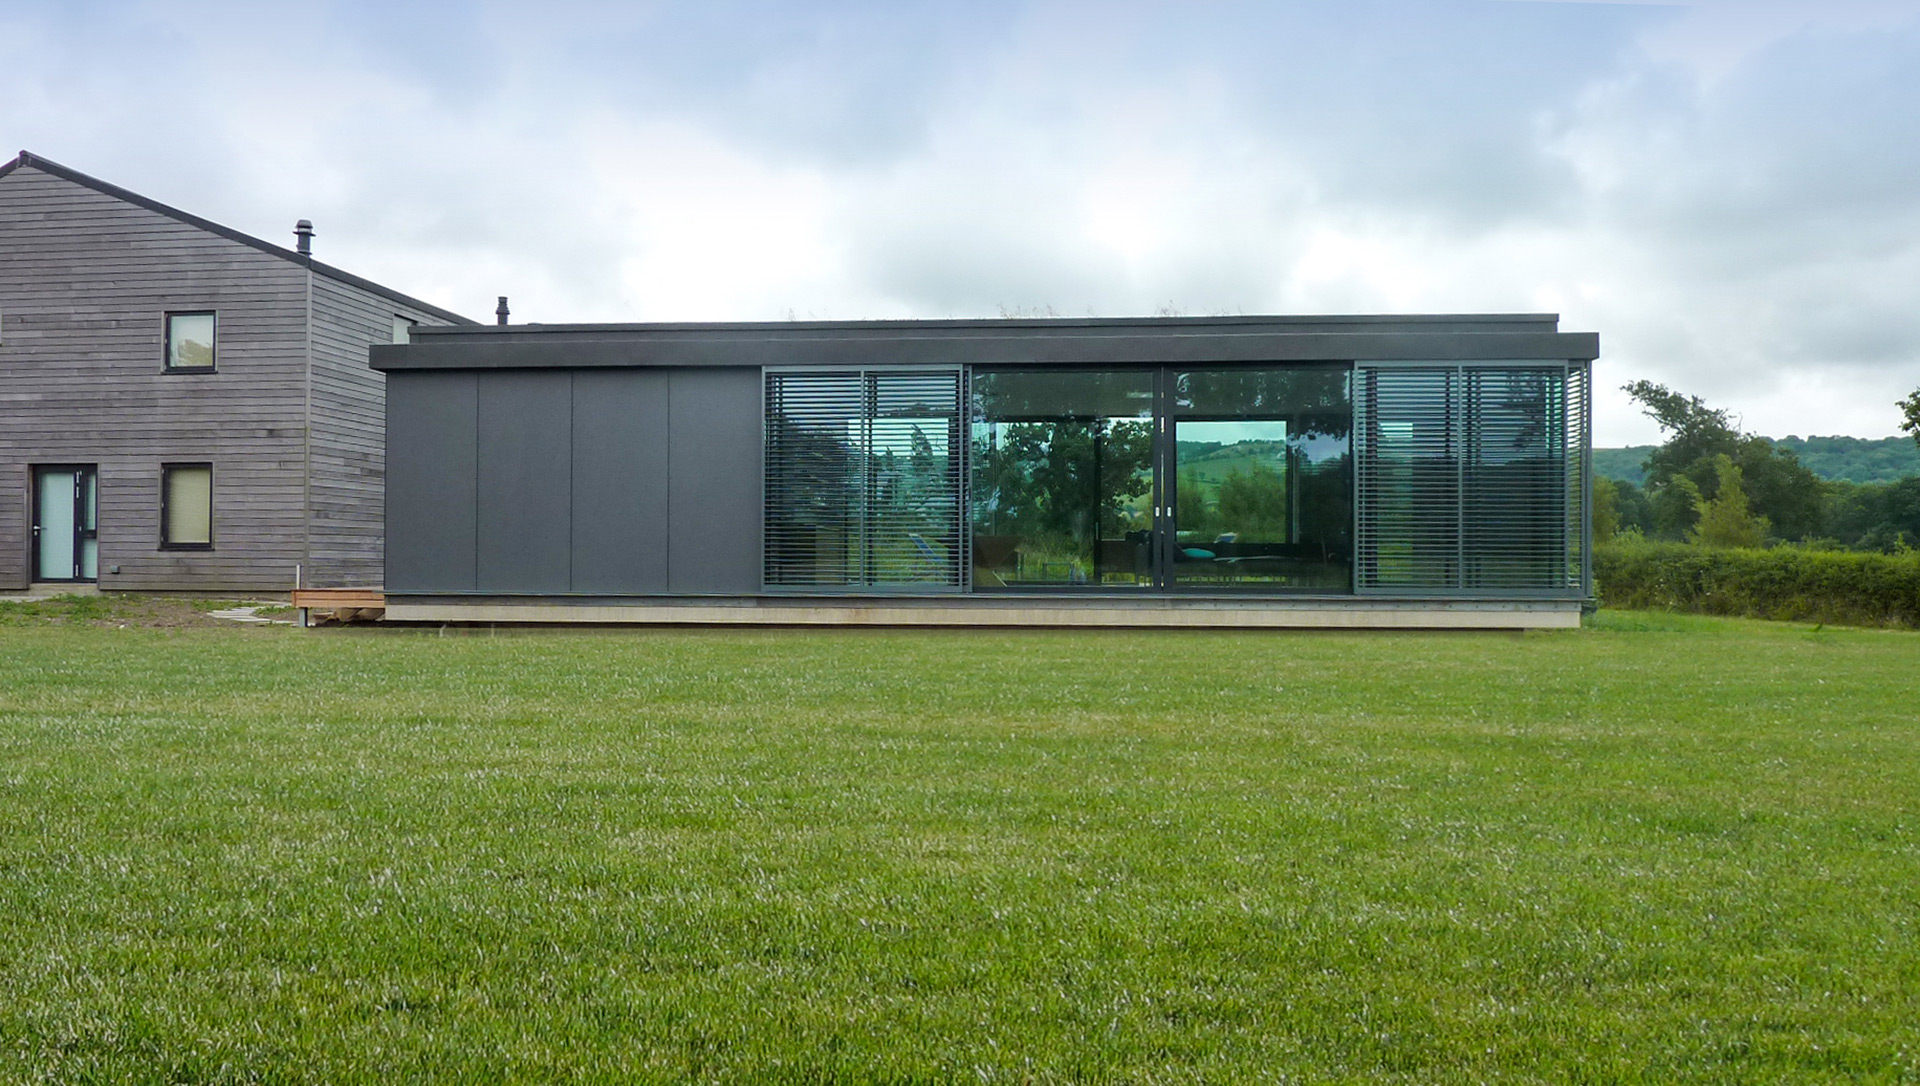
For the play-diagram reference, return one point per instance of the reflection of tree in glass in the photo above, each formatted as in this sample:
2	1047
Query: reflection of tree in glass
914	490
1192	511
1070	479
1253	503
1326	503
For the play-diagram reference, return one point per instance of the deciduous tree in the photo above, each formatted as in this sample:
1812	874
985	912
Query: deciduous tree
1725	520
1777	485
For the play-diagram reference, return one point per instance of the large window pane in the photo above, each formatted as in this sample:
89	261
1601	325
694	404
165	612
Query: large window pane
1062	479
1262	490
1409	478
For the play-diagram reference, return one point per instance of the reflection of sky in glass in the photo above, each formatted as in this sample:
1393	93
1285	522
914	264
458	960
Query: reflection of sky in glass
1319	448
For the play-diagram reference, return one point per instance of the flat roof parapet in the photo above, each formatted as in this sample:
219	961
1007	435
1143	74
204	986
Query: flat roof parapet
1017	340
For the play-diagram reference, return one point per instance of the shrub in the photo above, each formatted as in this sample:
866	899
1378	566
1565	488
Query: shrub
1782	583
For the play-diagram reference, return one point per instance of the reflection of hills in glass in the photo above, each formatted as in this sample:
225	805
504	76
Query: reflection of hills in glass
195	355
1211	462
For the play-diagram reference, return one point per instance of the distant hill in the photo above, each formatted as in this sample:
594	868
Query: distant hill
1622	463
1855	459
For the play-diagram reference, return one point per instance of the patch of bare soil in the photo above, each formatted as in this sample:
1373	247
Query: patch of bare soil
114	610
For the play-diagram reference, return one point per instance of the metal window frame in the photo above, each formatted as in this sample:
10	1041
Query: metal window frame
166	341
80	531
166	495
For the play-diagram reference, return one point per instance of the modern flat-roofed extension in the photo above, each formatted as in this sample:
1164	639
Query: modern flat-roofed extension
1238	471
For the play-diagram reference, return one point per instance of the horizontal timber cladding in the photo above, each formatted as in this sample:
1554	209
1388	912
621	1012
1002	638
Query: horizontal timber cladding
346	464
557	482
1470	478
864	479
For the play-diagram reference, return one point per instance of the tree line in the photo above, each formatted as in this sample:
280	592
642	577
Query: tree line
1711	484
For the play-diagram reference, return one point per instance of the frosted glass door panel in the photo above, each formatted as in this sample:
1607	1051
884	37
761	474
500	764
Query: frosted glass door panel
56	524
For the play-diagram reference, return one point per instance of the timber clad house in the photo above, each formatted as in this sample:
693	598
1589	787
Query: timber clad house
182	406
1249	471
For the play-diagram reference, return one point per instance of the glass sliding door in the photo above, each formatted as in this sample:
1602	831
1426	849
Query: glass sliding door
1229	479
1062	492
65	537
1262	497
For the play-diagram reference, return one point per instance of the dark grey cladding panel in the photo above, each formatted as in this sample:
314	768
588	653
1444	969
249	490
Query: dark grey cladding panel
525	469
1009	343
431	453
620	481
714	479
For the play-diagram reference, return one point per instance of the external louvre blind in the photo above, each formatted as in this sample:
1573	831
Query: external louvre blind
1406	479
1579	482
815	477
1513	474
1470	479
863	479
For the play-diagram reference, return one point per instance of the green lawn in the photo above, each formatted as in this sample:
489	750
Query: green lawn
1660	849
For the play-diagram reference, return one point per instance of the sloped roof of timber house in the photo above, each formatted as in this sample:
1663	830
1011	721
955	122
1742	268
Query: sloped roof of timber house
27	158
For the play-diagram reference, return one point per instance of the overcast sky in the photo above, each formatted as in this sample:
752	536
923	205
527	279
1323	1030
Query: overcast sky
1727	191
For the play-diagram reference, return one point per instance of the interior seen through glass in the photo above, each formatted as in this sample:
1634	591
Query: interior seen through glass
1262	495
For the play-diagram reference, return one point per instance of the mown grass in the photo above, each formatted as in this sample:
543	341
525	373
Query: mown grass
1661	849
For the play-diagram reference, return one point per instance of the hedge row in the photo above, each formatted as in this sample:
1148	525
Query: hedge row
1784	583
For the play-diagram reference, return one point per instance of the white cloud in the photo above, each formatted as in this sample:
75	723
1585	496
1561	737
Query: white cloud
1716	188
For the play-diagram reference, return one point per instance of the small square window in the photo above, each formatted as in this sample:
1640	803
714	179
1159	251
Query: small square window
186	506
403	329
190	341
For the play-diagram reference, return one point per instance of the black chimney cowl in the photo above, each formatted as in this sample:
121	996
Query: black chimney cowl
500	311
303	237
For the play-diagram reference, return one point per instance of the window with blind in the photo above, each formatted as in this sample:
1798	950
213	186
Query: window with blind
863	479
186	506
1470	477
